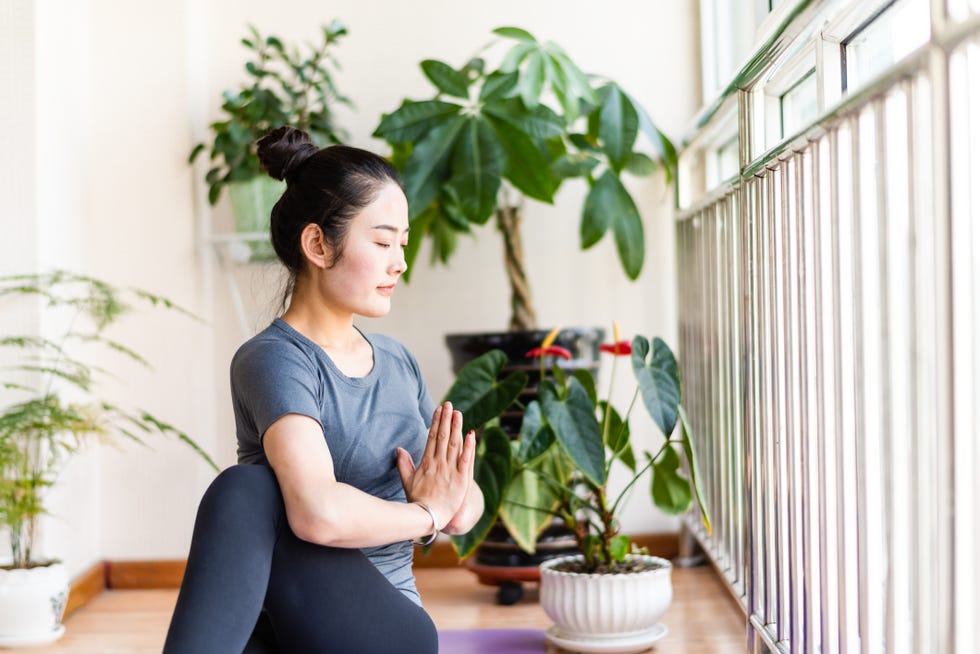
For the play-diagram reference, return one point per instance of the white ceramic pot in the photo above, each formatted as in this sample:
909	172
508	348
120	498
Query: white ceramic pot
31	605
605	607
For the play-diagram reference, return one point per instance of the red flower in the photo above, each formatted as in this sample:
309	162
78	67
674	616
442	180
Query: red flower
620	348
551	350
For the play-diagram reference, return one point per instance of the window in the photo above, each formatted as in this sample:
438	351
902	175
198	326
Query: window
884	39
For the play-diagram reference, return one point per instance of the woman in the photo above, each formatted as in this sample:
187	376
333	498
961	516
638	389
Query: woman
308	548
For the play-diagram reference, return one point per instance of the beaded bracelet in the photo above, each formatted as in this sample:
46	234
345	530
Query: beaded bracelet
435	527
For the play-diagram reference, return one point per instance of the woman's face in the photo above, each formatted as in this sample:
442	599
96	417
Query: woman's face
373	259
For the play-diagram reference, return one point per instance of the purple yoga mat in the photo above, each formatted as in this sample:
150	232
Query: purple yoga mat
492	641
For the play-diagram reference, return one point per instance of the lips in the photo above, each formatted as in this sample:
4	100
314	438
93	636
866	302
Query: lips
386	290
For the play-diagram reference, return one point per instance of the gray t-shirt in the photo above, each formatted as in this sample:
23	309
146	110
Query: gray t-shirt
280	371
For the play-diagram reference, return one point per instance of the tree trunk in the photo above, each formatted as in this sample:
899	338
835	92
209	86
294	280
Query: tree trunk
522	309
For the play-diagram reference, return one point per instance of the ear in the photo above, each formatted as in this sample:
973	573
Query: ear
314	247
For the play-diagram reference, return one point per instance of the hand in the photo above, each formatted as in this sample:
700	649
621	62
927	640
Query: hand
445	472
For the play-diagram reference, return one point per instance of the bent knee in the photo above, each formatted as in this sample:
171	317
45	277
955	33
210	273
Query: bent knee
249	486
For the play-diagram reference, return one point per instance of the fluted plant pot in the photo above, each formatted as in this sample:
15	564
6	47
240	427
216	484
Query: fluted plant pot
32	602
606	612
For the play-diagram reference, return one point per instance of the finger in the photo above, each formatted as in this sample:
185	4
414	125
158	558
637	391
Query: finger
456	434
468	455
445	425
406	467
430	444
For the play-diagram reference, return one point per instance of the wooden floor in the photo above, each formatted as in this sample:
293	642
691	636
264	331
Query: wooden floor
702	619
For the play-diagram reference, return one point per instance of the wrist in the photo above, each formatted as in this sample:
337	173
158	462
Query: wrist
434	526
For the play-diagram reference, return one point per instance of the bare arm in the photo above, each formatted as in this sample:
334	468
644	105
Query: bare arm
322	510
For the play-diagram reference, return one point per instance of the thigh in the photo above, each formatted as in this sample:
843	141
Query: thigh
330	600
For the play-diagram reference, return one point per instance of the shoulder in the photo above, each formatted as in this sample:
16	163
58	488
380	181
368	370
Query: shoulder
269	350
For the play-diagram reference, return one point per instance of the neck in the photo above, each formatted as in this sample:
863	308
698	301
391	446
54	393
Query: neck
319	322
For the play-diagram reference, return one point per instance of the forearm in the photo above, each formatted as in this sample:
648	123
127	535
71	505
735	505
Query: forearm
340	515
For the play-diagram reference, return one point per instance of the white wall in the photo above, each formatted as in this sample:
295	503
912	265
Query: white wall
149	79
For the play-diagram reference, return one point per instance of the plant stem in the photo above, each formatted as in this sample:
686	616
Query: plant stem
522	309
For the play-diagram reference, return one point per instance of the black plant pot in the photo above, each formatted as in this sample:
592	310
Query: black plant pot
499	561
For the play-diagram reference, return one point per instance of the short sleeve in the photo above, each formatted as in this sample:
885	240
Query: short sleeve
270	379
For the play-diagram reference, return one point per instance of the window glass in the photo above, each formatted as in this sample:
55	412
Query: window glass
798	106
884	40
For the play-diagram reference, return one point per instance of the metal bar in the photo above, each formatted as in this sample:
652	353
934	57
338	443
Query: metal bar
793	270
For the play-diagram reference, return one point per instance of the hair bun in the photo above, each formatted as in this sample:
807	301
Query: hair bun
283	151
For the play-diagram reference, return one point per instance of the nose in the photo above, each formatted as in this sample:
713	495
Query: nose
399	266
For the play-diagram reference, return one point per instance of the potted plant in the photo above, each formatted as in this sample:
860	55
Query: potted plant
498	134
493	136
50	421
570	441
288	85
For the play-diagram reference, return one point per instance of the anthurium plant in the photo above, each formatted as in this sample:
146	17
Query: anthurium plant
495	134
287	85
570	439
54	402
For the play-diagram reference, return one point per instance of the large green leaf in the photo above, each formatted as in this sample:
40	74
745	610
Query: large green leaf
525	511
671	492
659	380
573	420
618	126
536	436
477	393
609	204
665	148
538	123
527	168
492	472
478	164
532	81
446	78
428	165
692	464
414	120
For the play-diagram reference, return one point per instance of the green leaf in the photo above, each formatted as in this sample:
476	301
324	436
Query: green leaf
587	380
666	149
420	226
618	436
526	508
671	492
574	164
446	78
539	123
512	60
692	464
574	422
514	33
536	437
428	166
478	164
526	168
531	82
497	85
659	380
619	547
477	393
618	126
492	472
414	120
610	204
640	164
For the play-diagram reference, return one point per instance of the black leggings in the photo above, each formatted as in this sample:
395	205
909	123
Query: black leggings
244	558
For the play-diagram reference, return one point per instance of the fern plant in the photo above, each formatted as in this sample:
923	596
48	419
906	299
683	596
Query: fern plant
43	422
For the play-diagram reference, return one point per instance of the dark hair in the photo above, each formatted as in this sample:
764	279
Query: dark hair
326	186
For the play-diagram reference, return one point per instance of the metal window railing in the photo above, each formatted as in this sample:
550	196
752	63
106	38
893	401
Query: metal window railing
830	306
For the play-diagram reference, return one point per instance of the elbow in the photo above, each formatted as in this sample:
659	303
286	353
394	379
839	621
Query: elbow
317	527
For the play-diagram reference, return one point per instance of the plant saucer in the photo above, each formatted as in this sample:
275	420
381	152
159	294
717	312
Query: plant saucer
630	645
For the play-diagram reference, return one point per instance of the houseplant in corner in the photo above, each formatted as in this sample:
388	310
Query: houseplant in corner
59	409
570	441
287	86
